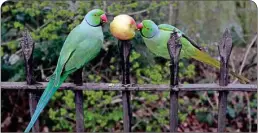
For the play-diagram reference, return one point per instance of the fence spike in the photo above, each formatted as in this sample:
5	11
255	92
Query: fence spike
174	48
225	48
27	45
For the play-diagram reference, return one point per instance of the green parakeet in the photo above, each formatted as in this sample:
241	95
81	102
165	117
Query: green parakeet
156	37
82	45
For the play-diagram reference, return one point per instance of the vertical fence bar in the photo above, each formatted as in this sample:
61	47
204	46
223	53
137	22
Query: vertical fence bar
174	48
27	45
225	48
79	101
125	49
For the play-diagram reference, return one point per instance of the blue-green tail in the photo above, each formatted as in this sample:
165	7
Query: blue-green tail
45	97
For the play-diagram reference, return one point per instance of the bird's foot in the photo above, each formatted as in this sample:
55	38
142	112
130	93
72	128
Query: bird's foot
175	88
128	85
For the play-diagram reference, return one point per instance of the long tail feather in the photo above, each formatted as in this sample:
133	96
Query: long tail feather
47	94
50	85
207	59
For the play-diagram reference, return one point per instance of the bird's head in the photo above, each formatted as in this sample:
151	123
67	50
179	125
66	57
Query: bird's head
147	28
123	27
96	17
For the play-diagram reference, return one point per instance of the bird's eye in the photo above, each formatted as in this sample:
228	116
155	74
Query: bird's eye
95	14
148	28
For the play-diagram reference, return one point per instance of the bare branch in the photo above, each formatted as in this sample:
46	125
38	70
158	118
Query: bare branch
105	6
132	13
248	112
245	57
5	43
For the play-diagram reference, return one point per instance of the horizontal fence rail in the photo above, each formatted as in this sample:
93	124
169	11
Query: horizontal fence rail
144	87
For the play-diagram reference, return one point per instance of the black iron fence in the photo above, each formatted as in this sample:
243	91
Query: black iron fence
174	48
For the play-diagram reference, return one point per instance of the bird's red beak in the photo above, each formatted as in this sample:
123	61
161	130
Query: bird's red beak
139	26
104	18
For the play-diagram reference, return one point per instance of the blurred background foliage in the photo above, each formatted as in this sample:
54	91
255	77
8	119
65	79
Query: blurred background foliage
49	22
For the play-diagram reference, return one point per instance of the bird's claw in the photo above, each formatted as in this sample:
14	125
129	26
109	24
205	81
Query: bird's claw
174	88
48	78
111	85
128	85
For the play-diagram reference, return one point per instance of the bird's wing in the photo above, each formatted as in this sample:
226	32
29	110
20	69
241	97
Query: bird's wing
76	36
86	51
81	54
167	27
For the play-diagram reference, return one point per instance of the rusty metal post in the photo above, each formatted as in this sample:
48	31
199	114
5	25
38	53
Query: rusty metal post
125	50
27	45
225	48
174	48
79	101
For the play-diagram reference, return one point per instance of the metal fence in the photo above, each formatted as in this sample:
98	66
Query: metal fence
174	48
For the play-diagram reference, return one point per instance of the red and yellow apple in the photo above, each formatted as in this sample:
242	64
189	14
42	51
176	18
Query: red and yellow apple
123	27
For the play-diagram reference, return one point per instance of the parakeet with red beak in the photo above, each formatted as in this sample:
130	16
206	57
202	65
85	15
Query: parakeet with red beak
82	44
156	37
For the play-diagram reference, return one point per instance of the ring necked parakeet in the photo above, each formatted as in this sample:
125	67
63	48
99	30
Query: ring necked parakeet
156	37
82	44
